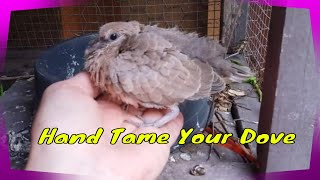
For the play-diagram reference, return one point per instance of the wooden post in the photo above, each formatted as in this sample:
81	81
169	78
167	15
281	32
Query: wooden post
69	22
214	17
291	91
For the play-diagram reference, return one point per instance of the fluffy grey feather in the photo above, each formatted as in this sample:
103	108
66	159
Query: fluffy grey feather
154	67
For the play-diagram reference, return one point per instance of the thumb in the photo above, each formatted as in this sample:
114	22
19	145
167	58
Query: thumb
172	128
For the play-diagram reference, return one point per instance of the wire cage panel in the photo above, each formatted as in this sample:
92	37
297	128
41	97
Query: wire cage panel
34	28
257	31
44	27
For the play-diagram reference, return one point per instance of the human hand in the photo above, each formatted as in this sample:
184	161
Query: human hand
72	107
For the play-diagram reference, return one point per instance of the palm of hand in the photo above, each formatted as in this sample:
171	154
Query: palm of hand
72	107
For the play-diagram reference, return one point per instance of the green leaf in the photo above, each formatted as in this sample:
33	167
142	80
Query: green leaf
253	81
236	62
1	90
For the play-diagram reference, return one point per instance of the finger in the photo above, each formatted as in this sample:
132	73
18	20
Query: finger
114	115
152	115
83	82
157	152
125	117
173	128
111	112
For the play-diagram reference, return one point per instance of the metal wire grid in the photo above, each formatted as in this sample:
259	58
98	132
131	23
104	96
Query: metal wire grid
257	31
45	27
34	28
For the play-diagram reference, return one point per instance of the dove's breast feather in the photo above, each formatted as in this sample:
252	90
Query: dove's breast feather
164	82
155	74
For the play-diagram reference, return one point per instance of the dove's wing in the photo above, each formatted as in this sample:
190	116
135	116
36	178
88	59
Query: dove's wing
152	71
205	49
208	77
190	43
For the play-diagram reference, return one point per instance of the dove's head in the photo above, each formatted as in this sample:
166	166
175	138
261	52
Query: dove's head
112	36
101	51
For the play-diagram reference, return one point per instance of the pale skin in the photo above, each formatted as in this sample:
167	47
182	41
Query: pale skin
72	107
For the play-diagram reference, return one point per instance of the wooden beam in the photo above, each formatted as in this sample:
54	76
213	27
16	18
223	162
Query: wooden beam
69	22
291	86
214	19
270	80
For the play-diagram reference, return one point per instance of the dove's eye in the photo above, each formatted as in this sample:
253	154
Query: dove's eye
113	36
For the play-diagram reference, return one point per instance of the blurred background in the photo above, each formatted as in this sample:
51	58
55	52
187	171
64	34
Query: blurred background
232	22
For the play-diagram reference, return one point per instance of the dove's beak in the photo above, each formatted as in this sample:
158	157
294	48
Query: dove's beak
95	45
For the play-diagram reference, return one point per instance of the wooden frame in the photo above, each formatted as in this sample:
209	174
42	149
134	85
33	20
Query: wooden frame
291	86
215	16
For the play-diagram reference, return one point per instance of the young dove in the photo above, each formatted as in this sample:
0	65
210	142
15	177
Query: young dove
151	67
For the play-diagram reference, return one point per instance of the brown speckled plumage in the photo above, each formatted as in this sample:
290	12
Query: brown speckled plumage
153	67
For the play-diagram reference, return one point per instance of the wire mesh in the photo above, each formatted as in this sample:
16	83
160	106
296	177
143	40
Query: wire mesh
34	28
257	30
45	27
230	21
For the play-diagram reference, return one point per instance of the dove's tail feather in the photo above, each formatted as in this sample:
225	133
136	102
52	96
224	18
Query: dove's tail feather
230	71
211	82
204	49
240	73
